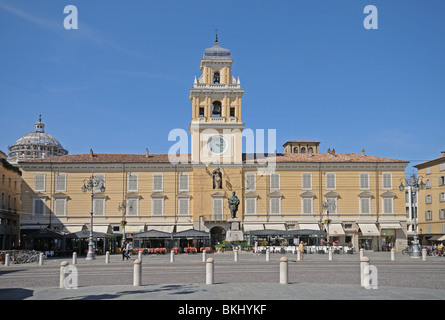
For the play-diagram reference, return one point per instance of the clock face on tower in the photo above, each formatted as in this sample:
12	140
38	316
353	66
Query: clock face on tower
217	144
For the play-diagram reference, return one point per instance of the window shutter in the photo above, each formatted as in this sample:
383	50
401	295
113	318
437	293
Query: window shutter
275	205
39	182
183	182
330	181
158	207
365	205
250	205
307	205
132	182
99	207
100	179
60	182
158	182
387	183
307	181
217	208
39	206
250	181
59	207
132	207
387	205
275	181
183	206
364	181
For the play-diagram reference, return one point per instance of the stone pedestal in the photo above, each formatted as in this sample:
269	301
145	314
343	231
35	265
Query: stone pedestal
236	231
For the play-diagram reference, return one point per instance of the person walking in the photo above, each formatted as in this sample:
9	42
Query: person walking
256	247
127	251
123	250
301	248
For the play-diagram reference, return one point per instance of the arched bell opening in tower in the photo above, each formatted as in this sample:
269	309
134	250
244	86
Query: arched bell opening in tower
216	110
216	78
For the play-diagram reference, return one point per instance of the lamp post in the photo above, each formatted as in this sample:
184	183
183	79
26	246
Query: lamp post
415	184
92	185
327	206
123	207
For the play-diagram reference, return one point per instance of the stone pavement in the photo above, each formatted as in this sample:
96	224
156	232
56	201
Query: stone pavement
251	278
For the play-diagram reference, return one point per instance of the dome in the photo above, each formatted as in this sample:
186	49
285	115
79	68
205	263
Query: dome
216	52
36	145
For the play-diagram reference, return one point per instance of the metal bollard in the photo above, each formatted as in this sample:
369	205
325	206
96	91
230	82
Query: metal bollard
393	254
235	255
74	258
41	259
361	253
172	256
107	257
62	275
267	254
364	262
203	255
423	254
209	271
283	270
7	260
137	273
330	254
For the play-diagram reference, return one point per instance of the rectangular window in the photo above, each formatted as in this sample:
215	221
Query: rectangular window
250	181
100	179
387	180
251	205
232	112
133	182
428	215
307	205
365	205
3	201
441	180
217	208
442	197
332	204
274	181
330	181
38	207
306	181
184	206
428	199
39	182
99	207
201	111
183	181
275	205
364	181
388	205
442	166
158	207
133	206
441	213
428	170
158	182
60	207
60	182
428	184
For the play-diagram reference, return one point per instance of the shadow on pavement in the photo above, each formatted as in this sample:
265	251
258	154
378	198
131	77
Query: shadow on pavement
15	294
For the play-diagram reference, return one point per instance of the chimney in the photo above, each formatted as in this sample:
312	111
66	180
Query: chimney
333	152
146	152
442	153
329	150
363	152
91	153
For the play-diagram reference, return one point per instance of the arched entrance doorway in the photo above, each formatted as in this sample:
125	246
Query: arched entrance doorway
217	235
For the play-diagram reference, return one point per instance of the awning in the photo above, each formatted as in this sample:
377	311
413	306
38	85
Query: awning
85	234
390	226
180	228
163	228
103	229
153	234
75	228
309	226
253	227
336	230
134	229
369	229
437	237
275	226
191	233
442	238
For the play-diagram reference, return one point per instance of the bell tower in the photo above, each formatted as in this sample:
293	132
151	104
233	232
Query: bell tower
216	126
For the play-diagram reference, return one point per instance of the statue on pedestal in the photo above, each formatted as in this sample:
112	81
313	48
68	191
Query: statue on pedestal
233	204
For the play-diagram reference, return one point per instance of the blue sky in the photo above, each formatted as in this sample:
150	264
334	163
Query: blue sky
310	69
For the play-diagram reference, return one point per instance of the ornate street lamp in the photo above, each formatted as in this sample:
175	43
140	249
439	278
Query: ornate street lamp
92	185
415	184
328	206
123	207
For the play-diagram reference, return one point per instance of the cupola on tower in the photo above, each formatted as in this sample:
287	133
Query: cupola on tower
216	124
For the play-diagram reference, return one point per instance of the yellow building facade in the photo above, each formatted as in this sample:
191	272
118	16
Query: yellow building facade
10	206
431	200
281	194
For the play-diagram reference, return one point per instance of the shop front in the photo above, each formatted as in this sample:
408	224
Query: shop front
102	242
368	234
